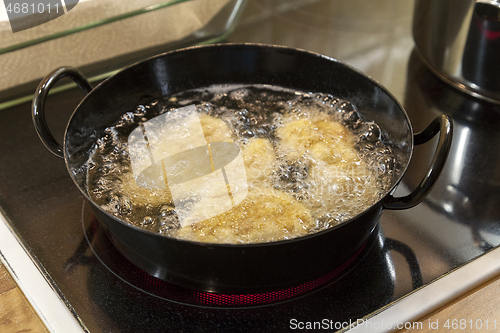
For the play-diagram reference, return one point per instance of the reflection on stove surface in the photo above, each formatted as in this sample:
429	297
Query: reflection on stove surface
134	300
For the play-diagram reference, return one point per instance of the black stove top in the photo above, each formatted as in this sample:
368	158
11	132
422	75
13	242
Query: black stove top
457	223
131	299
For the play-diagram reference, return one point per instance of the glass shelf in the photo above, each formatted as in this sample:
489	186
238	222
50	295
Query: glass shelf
101	37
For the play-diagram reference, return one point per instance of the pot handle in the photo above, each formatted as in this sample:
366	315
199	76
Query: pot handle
38	112
442	124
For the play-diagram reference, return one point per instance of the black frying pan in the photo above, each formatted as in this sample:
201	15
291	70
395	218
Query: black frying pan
252	267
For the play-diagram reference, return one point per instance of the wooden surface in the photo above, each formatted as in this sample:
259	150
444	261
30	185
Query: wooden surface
476	311
481	306
16	314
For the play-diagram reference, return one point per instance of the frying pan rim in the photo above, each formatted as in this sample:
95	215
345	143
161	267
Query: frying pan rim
262	46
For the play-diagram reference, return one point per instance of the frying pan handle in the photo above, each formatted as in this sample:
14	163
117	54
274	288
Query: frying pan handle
38	111
442	124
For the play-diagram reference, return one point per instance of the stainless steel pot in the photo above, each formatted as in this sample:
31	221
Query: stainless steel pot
460	41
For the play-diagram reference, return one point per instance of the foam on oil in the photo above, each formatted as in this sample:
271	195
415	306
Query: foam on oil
311	147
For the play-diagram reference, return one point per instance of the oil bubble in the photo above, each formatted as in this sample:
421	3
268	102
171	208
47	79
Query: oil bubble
253	111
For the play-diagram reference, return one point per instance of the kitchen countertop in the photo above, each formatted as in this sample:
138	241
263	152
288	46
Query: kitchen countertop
16	314
480	305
